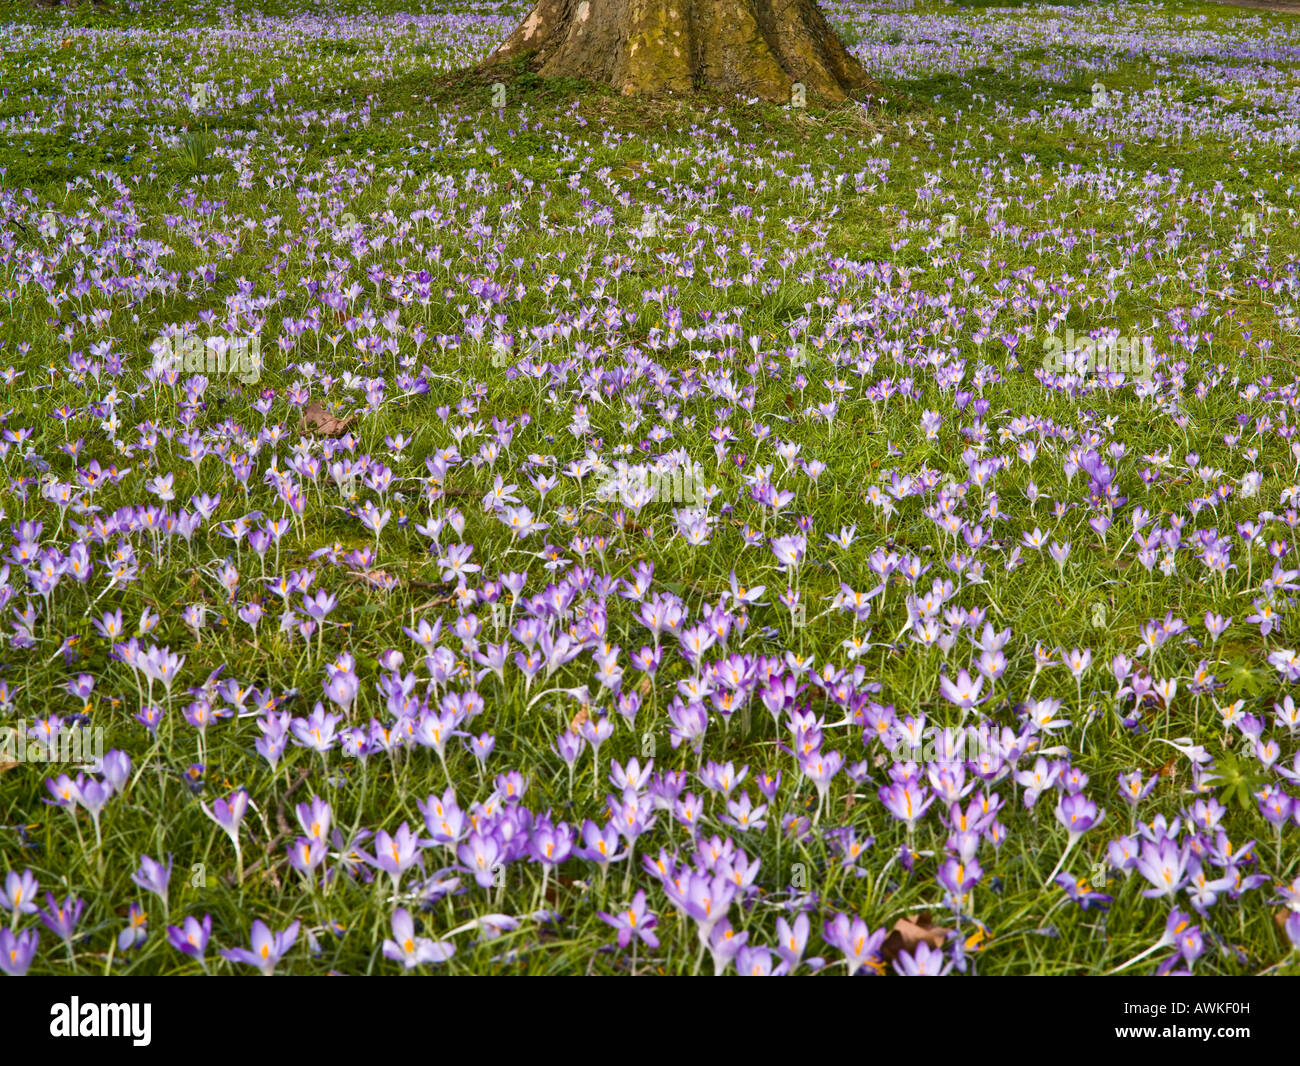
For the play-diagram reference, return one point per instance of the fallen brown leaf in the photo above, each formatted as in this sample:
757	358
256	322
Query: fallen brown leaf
908	933
579	720
315	419
5	767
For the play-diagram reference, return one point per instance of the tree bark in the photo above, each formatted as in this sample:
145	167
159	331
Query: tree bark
757	47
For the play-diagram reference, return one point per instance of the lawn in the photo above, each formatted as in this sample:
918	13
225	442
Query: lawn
480	523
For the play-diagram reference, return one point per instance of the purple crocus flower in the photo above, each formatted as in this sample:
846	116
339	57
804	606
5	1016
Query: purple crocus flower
319	604
153	877
267	948
137	929
1078	814
412	951
66	792
1080	893
94	795
1276	806
229	813
958	876
317	730
907	801
820	767
481	855
305	854
1293	929
61	919
150	716
191	938
1134	789
724	945
600	845
17	951
116	769
315	818
964	692
754	961
550	844
397	853
925	961
861	947
19	894
635	921
341	688
792	940
1166	865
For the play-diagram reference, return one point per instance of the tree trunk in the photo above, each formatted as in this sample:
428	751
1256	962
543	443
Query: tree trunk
761	48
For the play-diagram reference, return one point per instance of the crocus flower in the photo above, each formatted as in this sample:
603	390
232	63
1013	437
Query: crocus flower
964	692
1292	929
116	768
61	919
550	844
191	937
925	961
861	947
820	768
317	730
1078	814
724	945
1166	865
305	854
229	813
959	876
635	921
19	894
66	792
754	961
1276	806
315	818
17	951
397	853
412	951
153	877
792	940
1080	893
1134	789
137	929
907	801
600	845
267	948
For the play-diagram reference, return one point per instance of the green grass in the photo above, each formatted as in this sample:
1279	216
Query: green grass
808	186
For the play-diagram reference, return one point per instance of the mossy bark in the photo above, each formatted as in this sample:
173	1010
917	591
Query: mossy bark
757	47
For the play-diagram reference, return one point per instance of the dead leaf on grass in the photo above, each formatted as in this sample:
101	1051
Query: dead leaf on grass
908	933
315	419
